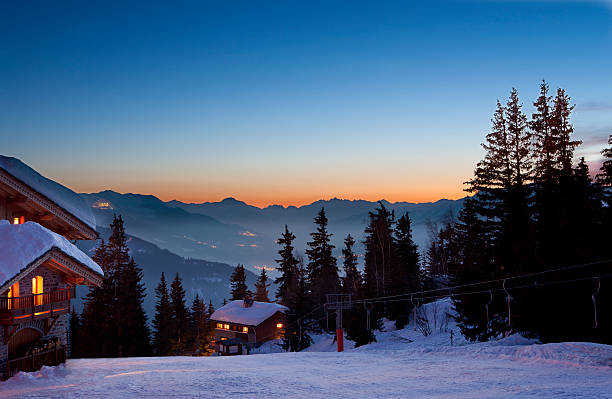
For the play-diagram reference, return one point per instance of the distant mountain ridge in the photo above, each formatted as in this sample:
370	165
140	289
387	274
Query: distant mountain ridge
232	231
209	280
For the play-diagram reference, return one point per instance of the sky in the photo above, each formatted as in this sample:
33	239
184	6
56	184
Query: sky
287	102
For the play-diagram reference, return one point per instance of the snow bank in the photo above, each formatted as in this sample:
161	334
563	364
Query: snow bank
235	312
22	244
61	195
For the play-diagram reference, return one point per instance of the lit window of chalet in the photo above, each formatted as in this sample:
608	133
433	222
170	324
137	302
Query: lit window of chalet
13	293
219	325
279	325
19	220
245	329
37	290
226	326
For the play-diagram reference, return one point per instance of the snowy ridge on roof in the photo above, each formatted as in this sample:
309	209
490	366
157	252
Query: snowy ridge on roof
235	312
61	195
22	244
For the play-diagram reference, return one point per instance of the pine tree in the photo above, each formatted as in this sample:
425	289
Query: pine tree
563	130
135	339
114	323
199	323
261	287
296	337
96	338
287	264
405	271
73	334
605	174
379	258
162	322
322	270
542	127
352	281
240	289
180	316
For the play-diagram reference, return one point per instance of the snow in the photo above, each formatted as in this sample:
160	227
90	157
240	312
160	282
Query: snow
235	312
402	363
61	195
22	244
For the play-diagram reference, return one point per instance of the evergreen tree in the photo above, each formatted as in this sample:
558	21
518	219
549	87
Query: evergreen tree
261	287
180	316
135	337
605	174
73	334
322	270
405	271
287	264
295	337
199	323
379	257
114	323
352	281
162	322
240	290
97	335
542	127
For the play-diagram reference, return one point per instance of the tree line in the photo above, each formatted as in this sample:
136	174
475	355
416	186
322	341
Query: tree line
532	210
113	322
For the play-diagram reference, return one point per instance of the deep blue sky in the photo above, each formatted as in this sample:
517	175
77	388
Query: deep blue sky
286	102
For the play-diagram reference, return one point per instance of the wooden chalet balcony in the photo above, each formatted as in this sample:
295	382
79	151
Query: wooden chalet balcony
52	356
32	307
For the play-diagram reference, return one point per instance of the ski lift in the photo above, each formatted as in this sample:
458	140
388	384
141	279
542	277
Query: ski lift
594	298
487	307
508	299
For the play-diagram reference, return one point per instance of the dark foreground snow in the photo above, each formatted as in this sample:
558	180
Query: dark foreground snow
534	371
402	364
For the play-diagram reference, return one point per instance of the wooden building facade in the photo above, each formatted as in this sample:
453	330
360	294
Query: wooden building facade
39	267
241	325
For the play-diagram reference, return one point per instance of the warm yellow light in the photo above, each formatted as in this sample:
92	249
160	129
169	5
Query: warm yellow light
279	325
37	289
245	329
219	325
226	326
13	293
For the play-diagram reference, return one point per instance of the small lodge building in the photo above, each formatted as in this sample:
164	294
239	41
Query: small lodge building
39	266
241	325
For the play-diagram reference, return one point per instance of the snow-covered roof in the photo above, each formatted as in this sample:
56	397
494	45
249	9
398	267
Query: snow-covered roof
22	244
61	195
235	312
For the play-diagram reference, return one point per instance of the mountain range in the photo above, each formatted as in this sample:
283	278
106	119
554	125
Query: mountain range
231	231
203	242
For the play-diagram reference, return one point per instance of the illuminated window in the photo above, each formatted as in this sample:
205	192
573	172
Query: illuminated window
245	329
37	290
223	338
219	325
226	326
13	293
279	325
19	220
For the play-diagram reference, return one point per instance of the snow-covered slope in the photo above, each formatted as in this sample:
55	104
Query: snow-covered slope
61	195
402	364
22	244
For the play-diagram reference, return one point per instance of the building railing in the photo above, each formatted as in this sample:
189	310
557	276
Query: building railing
35	306
54	356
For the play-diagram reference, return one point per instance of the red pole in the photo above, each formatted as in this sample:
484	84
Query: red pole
339	339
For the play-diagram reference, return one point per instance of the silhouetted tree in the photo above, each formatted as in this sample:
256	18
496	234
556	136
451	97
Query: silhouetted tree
261	287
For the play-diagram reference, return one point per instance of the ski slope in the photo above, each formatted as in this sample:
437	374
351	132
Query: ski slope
401	364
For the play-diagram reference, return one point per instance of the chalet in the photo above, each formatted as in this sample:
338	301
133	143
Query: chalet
39	266
240	325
